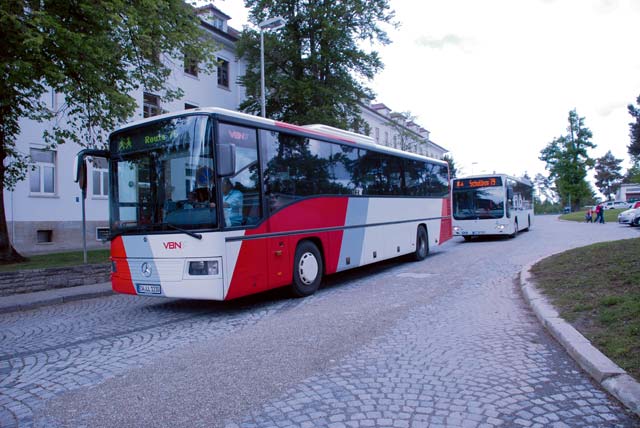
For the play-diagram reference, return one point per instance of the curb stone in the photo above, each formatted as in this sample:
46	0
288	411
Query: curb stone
611	377
20	302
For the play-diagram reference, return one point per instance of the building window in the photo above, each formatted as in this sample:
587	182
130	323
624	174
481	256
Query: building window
150	105
100	177
190	65
223	73
42	179
188	106
102	234
377	135
386	138
44	236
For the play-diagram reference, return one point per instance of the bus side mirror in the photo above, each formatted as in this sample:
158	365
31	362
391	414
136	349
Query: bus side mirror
226	159
80	173
80	167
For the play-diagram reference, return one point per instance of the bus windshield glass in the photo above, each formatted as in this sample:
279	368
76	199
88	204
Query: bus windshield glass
164	176
478	203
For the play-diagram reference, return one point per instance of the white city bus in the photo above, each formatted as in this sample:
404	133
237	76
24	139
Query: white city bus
495	204
307	201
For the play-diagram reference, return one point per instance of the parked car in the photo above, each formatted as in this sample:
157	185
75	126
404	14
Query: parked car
611	205
635	204
629	216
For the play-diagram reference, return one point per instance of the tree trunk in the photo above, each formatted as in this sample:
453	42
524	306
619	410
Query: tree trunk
8	254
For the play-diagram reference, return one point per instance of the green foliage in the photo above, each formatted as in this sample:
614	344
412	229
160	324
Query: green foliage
315	65
453	170
568	161
57	260
634	130
93	53
544	189
608	176
546	207
597	289
633	174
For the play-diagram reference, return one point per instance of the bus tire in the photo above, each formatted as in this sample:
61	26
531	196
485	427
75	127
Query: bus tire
307	269
422	244
515	230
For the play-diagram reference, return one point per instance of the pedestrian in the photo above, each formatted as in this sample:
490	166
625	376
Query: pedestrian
599	214
588	217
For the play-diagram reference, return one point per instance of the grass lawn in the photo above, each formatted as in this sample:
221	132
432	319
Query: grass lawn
609	215
53	260
597	290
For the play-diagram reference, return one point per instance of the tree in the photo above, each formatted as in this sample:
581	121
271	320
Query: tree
95	54
608	176
316	64
544	188
634	131
568	161
453	170
403	137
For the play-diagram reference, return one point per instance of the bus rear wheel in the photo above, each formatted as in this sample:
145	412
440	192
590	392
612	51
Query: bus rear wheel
422	244
307	269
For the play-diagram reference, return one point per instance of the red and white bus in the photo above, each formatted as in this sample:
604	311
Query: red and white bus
215	204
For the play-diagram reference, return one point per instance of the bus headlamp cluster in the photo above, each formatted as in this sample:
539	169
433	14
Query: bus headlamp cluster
500	227
203	267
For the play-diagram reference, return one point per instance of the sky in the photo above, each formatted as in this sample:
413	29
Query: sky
494	80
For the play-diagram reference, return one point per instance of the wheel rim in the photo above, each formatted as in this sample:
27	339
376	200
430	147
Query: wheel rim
308	268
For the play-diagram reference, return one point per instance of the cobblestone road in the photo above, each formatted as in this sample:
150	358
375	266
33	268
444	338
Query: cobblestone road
444	342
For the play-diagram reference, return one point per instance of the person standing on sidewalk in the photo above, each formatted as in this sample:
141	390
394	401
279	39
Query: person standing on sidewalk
599	214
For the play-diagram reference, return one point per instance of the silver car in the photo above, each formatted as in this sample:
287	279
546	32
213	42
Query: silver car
629	217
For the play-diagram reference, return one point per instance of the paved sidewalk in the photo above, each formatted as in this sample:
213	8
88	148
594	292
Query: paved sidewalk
612	378
24	301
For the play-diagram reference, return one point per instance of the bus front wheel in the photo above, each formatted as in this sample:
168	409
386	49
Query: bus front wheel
515	230
307	269
422	244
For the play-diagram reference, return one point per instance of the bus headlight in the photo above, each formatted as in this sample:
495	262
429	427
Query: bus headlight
203	267
500	227
456	229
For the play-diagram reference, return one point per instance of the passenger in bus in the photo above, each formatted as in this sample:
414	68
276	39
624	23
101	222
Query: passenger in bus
232	199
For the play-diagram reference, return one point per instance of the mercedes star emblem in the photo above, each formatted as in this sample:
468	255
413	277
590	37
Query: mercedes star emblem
146	269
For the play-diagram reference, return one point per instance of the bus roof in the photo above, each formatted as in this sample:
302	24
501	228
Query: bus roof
319	130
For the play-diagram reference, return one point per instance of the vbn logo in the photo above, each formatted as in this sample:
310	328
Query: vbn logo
172	245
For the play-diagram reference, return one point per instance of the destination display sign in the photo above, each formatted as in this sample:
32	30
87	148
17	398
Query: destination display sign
474	183
164	133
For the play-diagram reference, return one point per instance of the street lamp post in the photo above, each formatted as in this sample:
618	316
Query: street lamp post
268	24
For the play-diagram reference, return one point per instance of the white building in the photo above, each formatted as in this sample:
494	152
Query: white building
44	212
628	192
394	130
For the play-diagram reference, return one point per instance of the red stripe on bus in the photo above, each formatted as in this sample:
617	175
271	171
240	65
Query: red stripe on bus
121	281
267	263
446	231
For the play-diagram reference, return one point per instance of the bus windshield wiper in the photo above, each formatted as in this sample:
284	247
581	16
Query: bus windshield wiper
179	229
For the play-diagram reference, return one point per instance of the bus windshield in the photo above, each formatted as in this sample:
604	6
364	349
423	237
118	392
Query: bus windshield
164	177
478	203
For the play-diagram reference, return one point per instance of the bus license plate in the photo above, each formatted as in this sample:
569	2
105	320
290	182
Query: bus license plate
149	289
